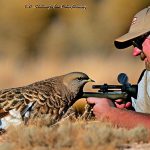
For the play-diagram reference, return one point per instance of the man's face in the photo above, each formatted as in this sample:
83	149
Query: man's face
144	52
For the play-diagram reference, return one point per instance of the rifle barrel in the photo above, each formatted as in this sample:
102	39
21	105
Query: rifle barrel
110	95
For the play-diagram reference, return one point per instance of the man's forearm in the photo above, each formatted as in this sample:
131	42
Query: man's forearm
128	119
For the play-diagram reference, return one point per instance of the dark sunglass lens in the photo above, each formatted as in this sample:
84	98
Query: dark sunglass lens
138	42
134	44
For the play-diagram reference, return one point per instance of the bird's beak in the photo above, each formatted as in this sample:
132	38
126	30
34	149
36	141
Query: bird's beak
90	80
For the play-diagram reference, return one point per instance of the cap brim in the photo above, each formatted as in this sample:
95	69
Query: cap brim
126	40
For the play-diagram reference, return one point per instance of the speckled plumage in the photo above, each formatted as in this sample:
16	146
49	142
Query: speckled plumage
53	96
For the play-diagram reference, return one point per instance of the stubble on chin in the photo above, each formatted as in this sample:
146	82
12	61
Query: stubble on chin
147	64
142	56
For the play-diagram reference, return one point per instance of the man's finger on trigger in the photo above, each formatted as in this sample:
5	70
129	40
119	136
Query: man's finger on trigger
128	104
120	105
118	100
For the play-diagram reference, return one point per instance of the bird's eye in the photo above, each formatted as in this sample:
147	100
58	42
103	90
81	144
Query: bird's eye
79	79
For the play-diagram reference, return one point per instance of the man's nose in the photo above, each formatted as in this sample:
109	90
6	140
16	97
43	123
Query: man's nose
136	51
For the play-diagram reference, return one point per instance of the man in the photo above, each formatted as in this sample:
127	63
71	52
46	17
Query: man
139	37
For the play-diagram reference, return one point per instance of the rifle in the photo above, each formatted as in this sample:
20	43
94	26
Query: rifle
123	91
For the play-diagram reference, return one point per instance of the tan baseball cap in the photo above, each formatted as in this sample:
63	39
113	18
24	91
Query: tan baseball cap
139	26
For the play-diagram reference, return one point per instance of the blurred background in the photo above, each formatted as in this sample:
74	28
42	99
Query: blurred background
36	44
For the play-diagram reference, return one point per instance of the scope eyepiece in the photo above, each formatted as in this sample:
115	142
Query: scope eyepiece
122	78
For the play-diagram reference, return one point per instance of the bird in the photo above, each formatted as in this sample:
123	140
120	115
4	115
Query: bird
53	96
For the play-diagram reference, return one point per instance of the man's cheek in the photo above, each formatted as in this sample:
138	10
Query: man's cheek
146	47
147	54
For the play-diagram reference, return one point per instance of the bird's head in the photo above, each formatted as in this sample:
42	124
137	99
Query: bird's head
75	81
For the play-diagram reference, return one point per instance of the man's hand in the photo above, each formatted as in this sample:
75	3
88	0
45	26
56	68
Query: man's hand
102	106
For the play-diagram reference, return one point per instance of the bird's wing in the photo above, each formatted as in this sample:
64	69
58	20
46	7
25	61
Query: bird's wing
20	99
23	98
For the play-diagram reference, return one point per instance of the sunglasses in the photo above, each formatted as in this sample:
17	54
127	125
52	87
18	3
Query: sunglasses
137	42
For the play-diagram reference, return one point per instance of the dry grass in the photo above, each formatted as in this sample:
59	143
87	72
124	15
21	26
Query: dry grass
72	135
